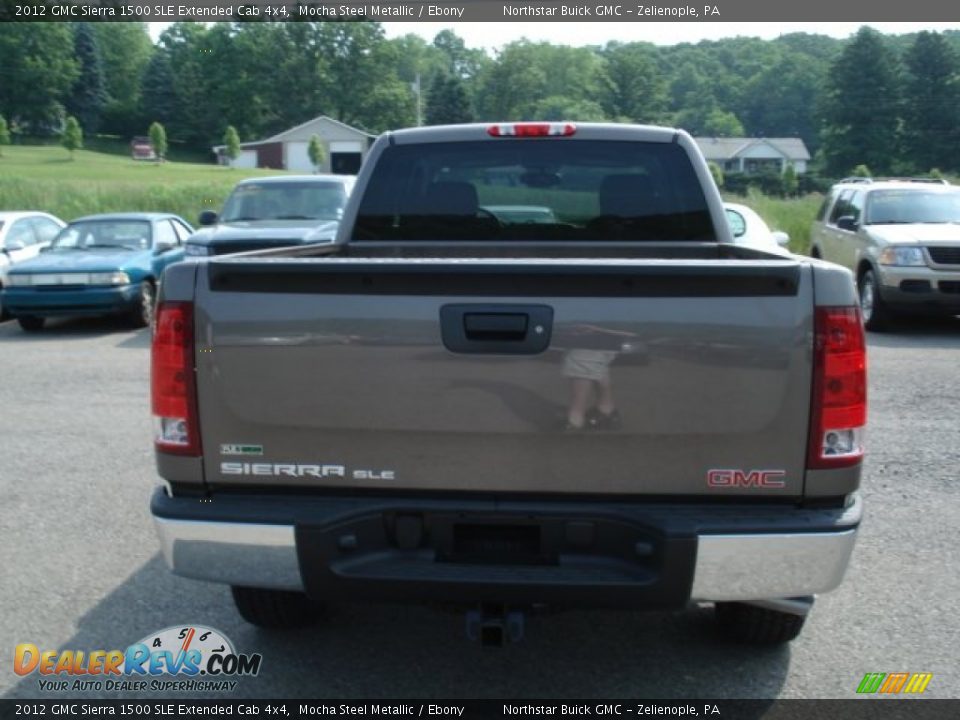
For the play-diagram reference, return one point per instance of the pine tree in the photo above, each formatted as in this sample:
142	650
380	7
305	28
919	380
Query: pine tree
316	152
231	141
862	106
158	98
158	139
932	104
89	95
447	101
72	136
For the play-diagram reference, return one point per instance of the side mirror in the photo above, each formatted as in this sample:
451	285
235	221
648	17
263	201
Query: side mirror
162	247
208	217
848	222
14	245
781	238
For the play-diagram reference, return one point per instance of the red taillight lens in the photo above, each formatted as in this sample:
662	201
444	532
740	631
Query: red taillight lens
527	130
838	412
172	385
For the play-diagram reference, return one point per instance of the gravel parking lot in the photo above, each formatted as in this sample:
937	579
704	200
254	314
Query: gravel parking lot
81	568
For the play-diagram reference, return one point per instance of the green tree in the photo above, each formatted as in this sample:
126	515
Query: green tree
37	71
931	127
862	171
72	136
562	107
88	98
447	101
231	141
126	50
158	139
357	56
317	152
781	100
461	61
4	134
516	85
719	123
635	89
862	106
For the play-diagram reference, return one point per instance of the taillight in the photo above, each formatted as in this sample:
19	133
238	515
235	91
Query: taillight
526	130
838	412
172	385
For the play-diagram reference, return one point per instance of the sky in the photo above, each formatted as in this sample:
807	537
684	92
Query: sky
492	35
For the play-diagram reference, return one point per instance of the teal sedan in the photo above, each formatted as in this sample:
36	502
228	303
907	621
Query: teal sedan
97	265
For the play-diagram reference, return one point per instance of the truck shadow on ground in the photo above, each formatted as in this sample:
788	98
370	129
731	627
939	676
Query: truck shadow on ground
72	329
394	651
919	332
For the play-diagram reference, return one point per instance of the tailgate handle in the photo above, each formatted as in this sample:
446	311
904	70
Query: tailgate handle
508	327
493	328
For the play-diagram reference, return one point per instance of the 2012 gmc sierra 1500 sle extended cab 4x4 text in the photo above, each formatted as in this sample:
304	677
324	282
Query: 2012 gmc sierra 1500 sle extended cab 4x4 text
610	405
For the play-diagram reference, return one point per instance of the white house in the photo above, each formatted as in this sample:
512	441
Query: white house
753	155
345	148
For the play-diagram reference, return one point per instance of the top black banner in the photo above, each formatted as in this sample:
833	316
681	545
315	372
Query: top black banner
448	11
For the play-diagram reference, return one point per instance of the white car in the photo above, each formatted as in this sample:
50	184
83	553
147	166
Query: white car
749	228
22	235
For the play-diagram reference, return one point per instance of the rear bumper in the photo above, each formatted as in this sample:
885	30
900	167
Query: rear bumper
593	554
83	301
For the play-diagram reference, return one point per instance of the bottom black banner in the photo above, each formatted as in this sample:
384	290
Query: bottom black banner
864	709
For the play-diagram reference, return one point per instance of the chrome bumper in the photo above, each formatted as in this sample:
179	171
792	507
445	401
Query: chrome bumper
728	567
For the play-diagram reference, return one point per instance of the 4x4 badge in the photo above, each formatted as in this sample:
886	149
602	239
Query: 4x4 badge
241	449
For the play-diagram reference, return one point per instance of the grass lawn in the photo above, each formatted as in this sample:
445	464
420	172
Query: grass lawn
43	177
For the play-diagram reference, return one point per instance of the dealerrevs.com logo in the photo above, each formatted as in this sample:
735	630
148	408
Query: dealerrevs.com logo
189	658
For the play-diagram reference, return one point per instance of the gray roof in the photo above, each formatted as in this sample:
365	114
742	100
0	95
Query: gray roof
280	137
729	148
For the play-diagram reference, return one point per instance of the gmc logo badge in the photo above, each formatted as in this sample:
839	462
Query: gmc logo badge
741	479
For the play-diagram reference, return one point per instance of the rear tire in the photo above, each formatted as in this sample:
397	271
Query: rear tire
756	625
876	313
275	608
29	323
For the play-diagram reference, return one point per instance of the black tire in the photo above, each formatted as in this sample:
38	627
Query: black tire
815	253
275	608
4	315
757	625
142	314
876	313
29	323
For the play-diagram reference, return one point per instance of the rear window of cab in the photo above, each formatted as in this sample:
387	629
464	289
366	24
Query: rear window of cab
543	189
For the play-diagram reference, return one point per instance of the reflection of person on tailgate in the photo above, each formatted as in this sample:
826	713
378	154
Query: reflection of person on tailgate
591	391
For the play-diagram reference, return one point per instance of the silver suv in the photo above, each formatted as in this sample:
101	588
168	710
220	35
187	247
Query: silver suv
901	237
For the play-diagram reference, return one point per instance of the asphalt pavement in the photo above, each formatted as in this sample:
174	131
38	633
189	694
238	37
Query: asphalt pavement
80	566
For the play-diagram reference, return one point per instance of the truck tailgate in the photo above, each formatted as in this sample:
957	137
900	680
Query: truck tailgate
456	375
